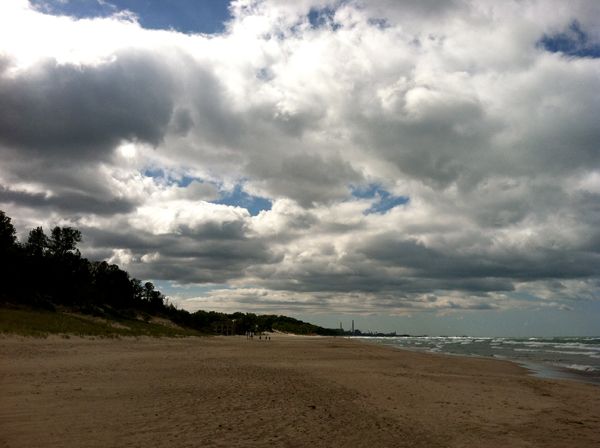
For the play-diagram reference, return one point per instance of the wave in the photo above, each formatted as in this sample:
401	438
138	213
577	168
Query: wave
578	367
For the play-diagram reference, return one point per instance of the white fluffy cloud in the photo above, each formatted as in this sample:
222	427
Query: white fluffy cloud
466	109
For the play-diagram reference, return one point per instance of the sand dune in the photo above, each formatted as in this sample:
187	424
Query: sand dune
287	392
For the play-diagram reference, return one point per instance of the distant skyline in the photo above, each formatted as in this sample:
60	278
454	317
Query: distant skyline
426	167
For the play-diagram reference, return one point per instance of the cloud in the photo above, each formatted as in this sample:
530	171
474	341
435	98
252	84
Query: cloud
346	156
181	241
83	112
67	203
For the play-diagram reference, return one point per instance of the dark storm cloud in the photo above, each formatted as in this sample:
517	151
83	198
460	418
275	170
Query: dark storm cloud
211	253
68	202
524	265
215	121
204	262
369	276
81	112
227	232
443	139
307	178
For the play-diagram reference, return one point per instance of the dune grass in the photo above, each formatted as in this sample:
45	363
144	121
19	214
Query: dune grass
39	323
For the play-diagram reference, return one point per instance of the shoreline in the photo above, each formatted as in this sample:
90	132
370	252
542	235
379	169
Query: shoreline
542	371
535	368
289	391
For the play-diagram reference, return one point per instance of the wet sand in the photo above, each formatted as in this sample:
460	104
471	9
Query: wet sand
287	392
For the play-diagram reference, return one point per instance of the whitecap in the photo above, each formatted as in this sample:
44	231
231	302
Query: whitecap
578	367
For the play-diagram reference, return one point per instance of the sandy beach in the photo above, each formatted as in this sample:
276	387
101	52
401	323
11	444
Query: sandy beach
287	392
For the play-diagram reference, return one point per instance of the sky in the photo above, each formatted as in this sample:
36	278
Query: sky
426	167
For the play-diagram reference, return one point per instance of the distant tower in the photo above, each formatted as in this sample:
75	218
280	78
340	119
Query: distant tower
353	327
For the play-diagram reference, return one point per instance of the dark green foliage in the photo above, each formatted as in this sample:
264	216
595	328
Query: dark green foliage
63	241
46	272
8	234
240	323
37	242
49	272
111	285
154	299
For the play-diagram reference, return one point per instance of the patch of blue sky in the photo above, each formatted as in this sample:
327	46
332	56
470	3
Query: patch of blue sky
383	199
380	23
236	197
365	192
574	41
184	181
170	179
186	16
265	74
323	17
173	289
155	173
239	198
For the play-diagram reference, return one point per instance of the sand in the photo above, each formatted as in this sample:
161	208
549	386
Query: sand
287	392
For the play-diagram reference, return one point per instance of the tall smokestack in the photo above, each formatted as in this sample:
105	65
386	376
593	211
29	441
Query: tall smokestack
352	326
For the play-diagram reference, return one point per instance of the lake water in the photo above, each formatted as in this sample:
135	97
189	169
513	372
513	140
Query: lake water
560	357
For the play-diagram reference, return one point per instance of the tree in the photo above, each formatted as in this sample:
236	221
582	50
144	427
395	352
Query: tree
112	285
63	240
37	242
8	234
154	297
137	290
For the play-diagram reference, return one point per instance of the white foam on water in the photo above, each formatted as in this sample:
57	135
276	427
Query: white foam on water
578	346
578	367
566	352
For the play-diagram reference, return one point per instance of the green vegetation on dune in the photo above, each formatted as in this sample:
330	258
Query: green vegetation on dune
37	322
41	323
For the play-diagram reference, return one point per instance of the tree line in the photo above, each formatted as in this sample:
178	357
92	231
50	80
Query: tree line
47	271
